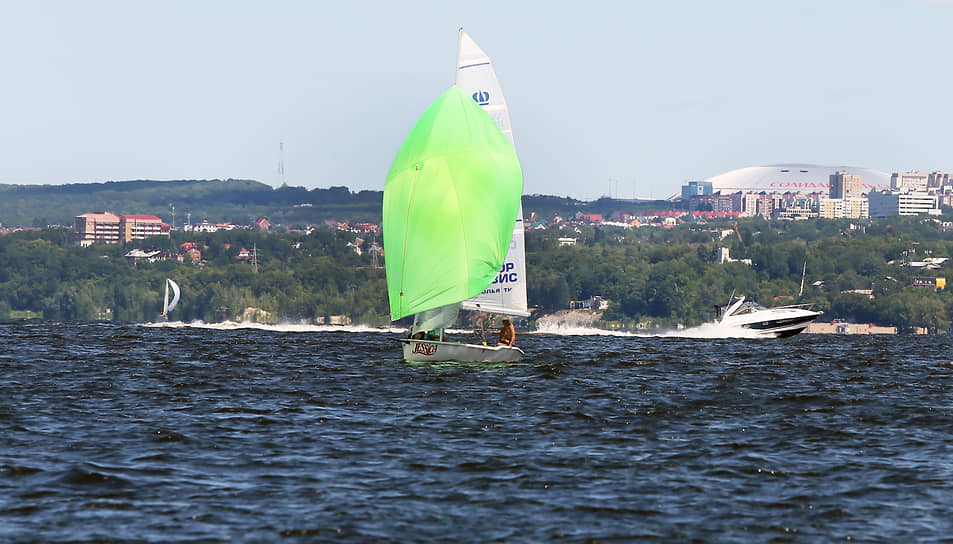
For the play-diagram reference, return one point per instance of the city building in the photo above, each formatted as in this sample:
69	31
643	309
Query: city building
909	181
715	203
938	180
109	228
102	227
140	227
696	188
753	204
843	208
844	185
889	203
797	206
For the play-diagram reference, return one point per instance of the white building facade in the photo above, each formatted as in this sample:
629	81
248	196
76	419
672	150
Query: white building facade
889	203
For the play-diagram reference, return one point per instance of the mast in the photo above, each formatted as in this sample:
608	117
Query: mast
165	301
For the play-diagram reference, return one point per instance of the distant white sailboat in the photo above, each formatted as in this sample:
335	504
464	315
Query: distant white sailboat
169	305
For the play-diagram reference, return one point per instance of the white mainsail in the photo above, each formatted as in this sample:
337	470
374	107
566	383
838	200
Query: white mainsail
476	77
167	305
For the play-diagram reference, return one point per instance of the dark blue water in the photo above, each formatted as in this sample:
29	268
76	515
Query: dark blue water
134	434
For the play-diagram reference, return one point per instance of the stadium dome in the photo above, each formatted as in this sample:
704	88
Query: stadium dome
803	178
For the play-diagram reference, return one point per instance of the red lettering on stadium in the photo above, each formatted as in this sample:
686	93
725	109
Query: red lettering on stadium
798	185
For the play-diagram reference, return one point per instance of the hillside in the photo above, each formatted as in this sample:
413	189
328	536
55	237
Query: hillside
233	200
236	201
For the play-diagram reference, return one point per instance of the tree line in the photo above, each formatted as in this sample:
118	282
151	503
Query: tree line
651	276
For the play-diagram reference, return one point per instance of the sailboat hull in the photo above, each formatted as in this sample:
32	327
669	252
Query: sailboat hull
420	351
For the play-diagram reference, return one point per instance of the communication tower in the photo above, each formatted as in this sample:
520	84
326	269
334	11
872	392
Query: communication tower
281	164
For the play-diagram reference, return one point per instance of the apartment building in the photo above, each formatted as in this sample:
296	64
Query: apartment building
888	203
109	228
101	227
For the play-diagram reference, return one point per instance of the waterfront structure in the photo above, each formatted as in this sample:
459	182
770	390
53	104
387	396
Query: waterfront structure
889	203
844	185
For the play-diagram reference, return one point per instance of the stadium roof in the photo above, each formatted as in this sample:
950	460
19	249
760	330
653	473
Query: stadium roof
804	178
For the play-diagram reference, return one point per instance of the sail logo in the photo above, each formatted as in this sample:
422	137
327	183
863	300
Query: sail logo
482	97
507	274
425	349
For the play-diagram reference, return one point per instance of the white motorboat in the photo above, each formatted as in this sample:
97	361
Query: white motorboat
777	322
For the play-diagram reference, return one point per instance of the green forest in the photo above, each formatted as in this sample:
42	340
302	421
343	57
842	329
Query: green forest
651	276
239	202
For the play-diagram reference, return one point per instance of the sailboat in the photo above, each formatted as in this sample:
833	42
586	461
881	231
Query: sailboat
169	305
450	200
479	175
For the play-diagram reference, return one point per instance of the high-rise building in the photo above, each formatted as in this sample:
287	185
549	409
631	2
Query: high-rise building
909	181
888	203
938	179
696	188
844	185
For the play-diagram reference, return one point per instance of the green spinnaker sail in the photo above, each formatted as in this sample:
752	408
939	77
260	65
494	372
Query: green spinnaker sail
450	200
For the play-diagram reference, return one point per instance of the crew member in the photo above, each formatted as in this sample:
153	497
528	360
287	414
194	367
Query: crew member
507	334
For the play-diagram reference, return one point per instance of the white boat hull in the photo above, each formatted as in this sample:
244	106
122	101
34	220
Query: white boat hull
778	331
778	322
420	351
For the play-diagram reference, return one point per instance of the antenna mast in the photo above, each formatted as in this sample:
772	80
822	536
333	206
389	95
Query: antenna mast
281	163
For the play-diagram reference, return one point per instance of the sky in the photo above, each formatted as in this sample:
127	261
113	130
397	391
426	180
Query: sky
628	99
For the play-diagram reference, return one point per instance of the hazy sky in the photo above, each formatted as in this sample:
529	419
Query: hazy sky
627	98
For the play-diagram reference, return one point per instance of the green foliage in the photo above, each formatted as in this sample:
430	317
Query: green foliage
671	276
299	277
237	201
663	276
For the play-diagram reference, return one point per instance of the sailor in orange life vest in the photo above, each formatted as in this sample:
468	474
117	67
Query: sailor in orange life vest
507	334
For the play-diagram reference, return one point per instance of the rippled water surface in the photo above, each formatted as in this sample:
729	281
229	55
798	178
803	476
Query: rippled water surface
141	434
